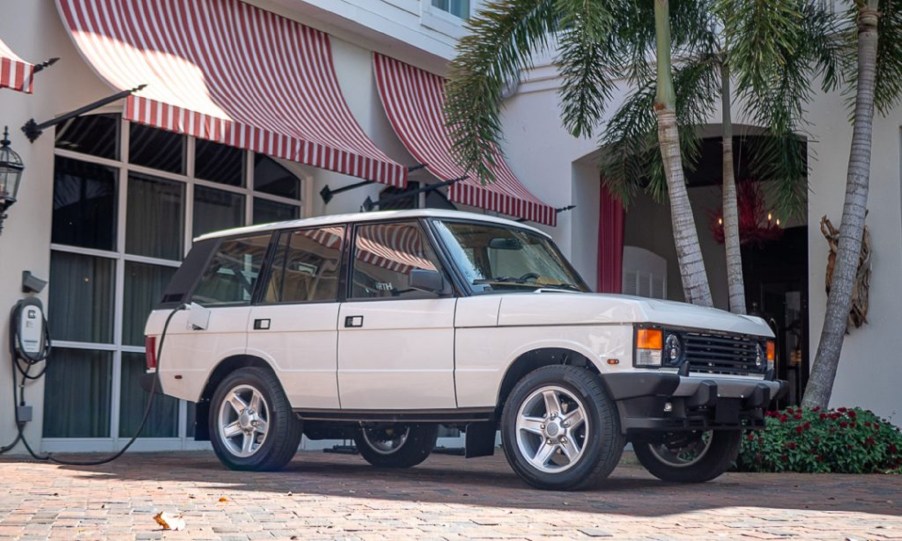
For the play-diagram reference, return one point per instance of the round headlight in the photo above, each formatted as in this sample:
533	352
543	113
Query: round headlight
673	348
760	356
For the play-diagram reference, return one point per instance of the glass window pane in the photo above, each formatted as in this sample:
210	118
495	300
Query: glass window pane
384	256
270	177
154	221
152	147
77	392
266	211
144	285
84	204
97	135
216	209
80	304
162	421
461	8
308	269
232	274
219	163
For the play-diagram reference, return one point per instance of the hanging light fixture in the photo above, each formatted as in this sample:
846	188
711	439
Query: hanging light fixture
11	168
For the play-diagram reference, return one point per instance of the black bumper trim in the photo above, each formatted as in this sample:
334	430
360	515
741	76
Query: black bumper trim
635	384
646	403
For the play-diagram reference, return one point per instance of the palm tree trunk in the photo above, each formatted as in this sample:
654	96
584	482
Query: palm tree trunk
730	210
839	301
685	236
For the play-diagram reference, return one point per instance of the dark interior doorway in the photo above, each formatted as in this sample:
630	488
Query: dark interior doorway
776	288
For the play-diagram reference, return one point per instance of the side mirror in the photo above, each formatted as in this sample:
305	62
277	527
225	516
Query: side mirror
427	280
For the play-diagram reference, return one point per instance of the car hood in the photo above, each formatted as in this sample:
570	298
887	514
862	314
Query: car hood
549	307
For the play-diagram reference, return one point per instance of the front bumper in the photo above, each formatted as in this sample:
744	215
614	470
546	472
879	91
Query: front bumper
656	401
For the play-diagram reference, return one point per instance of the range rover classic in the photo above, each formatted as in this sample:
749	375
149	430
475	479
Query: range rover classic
380	327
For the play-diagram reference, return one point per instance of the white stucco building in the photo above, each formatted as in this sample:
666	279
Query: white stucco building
110	201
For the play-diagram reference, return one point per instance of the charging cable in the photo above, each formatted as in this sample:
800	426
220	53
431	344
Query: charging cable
25	375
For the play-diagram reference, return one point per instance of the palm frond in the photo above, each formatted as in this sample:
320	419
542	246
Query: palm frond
889	56
585	63
499	42
782	158
630	159
629	147
824	42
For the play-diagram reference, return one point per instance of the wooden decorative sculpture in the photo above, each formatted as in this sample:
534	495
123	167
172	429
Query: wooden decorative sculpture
858	315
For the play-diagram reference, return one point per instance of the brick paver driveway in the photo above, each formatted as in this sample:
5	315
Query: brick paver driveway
329	496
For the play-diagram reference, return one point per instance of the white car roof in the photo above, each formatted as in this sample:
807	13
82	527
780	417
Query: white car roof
369	217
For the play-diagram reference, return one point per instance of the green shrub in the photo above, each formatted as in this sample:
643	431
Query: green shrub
844	440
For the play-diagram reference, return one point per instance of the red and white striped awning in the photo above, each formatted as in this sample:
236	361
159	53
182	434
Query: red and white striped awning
15	73
229	72
414	102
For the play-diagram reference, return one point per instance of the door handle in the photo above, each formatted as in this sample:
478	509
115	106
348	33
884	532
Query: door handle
261	324
353	321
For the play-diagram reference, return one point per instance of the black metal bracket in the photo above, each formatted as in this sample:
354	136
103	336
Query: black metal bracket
33	130
327	193
556	211
369	204
45	64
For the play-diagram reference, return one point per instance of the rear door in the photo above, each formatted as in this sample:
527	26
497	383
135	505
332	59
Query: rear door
395	344
294	327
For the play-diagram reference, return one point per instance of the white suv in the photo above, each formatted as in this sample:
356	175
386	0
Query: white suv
381	326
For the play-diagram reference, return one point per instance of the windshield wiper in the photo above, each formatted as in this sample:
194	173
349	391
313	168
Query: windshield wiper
562	285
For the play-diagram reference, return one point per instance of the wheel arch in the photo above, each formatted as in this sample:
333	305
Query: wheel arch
222	370
537	358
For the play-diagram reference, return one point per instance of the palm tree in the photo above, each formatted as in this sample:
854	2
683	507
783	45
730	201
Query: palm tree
654	132
707	46
877	80
594	44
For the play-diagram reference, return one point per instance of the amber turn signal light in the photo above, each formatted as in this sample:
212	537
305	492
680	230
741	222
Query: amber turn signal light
771	351
649	339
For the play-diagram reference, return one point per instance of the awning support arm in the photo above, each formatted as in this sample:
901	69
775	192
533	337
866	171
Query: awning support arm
33	130
556	211
46	64
368	204
327	193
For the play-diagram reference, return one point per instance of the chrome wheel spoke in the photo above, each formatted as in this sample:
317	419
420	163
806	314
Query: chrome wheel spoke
261	427
247	443
543	454
552	402
255	402
532	425
574	419
237	403
231	430
571	451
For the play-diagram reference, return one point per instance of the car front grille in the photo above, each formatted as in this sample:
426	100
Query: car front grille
721	354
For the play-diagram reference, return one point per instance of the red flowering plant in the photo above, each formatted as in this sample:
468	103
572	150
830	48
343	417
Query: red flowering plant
811	440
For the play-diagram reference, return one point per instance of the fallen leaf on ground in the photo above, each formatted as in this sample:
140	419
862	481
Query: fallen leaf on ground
169	521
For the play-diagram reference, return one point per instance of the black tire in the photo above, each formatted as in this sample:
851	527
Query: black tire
250	448
397	445
690	458
558	451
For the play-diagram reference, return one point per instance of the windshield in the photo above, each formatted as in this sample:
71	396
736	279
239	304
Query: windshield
498	258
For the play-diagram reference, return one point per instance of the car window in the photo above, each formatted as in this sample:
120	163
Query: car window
306	264
232	273
499	258
385	255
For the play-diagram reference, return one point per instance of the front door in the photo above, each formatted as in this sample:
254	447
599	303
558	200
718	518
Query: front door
395	344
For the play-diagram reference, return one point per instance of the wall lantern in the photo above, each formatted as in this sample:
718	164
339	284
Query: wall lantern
11	168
